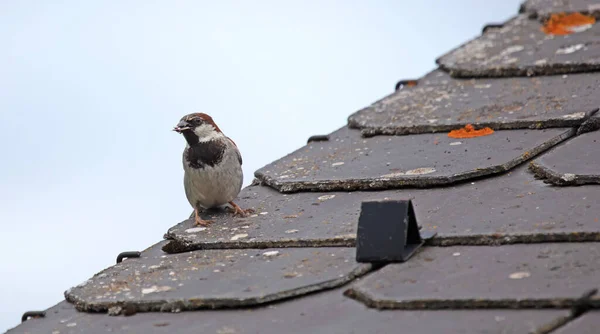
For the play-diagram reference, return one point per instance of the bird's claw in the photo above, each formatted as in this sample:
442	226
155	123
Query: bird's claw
237	211
202	222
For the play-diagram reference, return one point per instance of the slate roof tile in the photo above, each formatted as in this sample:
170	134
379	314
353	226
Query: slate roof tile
215	279
544	8
348	162
520	48
518	276
500	103
574	163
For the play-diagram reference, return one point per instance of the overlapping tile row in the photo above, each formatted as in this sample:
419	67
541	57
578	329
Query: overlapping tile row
521	48
500	103
348	162
509	208
326	312
544	8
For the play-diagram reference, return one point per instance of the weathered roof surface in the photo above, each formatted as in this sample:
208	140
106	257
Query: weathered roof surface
514	213
544	8
215	279
520	48
520	276
348	162
501	103
327	312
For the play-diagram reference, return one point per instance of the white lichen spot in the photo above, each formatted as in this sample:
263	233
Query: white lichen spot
337	164
253	216
284	176
291	231
325	197
271	253
420	171
577	115
154	267
264	213
486	86
570	49
239	236
431	121
195	229
454	143
245	227
172	273
71	324
155	288
456	254
580	28
568	177
519	275
513	49
391	175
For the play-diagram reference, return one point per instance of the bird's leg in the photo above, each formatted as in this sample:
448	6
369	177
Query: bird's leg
237	211
199	221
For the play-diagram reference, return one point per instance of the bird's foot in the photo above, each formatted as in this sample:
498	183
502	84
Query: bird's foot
199	221
202	222
237	211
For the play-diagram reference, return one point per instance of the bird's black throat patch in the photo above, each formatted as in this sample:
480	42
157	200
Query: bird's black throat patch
203	154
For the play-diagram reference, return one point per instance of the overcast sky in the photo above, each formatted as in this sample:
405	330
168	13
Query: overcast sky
89	91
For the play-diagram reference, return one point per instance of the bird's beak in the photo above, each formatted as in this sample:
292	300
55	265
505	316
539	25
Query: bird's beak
181	126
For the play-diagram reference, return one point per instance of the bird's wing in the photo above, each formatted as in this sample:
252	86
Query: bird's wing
237	151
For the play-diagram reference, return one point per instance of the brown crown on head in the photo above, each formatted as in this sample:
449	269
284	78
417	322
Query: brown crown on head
205	117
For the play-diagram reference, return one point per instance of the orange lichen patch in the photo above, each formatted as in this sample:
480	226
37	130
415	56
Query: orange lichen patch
469	132
411	83
565	24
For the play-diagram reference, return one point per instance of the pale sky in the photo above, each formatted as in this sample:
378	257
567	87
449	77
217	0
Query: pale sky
90	90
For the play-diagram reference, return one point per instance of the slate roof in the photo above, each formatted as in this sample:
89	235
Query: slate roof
514	215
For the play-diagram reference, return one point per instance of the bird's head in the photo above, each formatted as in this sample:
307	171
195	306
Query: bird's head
198	127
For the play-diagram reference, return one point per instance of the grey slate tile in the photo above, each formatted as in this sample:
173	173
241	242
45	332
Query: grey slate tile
214	279
509	208
588	323
500	103
327	312
348	162
520	48
544	8
546	275
575	162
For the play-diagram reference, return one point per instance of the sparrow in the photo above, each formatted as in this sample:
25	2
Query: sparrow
212	166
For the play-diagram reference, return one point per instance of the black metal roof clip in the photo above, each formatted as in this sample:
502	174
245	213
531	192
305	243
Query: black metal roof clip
405	83
127	255
491	26
317	138
32	314
388	232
